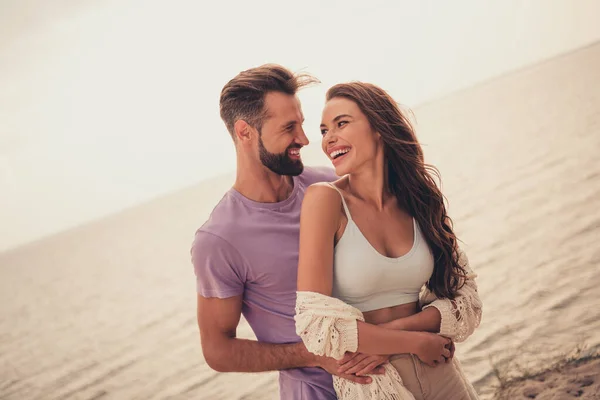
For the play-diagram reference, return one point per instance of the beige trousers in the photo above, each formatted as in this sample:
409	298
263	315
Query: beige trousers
443	382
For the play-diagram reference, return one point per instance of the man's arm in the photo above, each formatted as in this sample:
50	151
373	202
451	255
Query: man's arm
220	272
224	352
218	320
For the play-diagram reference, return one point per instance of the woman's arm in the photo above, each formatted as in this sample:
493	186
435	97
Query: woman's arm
319	222
428	320
456	319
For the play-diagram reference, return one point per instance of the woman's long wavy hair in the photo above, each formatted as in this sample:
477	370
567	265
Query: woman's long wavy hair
410	180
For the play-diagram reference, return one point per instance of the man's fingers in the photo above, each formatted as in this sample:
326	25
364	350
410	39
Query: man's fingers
363	380
360	366
379	371
371	368
347	357
348	368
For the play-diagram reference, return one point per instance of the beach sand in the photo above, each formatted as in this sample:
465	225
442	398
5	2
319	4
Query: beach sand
107	310
575	379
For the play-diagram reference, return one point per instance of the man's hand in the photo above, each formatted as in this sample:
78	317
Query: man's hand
331	365
432	348
360	364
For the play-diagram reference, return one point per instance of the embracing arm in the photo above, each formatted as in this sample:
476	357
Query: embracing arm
319	222
461	316
456	319
221	273
223	352
428	320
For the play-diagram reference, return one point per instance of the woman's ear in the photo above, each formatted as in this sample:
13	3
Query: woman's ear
379	140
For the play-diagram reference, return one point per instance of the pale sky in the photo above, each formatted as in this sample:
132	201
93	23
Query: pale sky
105	104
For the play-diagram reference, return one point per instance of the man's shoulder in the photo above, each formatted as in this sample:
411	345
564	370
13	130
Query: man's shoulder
312	175
218	226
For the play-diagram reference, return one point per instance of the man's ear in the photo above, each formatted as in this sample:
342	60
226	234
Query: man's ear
243	131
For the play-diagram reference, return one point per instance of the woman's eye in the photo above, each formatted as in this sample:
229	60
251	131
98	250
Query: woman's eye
323	131
342	123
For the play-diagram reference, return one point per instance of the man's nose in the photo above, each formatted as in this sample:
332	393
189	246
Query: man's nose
302	138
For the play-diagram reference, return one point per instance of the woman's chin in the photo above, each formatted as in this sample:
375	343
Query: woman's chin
341	170
342	165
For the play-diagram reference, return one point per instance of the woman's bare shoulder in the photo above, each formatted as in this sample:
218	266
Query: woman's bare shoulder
321	194
340	184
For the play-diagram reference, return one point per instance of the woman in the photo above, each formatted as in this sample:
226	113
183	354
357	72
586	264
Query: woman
379	263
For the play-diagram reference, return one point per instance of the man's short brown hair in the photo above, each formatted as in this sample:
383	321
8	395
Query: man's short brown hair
243	97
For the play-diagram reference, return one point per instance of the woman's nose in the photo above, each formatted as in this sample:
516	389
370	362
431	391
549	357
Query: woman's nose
330	137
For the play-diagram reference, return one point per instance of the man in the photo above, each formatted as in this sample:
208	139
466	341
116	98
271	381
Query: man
245	256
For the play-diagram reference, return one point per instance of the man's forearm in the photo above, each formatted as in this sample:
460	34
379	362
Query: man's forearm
242	355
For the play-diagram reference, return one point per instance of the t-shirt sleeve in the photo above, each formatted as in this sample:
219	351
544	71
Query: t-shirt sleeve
323	174
219	268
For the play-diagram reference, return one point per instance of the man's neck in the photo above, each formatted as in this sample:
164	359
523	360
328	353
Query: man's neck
263	185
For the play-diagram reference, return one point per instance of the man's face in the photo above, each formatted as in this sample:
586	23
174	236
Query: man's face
282	136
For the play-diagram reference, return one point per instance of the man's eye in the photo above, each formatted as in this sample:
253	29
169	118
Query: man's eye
323	131
342	123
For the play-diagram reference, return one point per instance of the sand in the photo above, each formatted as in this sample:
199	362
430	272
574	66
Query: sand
579	379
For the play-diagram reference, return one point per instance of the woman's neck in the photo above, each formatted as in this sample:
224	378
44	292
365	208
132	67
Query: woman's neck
369	184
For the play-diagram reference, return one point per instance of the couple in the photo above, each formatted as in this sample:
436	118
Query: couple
355	274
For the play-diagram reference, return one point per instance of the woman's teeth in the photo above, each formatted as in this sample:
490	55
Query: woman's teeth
337	153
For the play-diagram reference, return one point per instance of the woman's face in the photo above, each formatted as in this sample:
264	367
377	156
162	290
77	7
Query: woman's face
348	139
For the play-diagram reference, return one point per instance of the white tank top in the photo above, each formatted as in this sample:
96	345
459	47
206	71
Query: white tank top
368	280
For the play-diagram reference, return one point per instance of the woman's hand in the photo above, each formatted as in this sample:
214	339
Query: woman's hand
432	349
452	348
360	364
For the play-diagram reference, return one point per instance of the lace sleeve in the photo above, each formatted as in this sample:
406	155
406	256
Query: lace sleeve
461	316
327	326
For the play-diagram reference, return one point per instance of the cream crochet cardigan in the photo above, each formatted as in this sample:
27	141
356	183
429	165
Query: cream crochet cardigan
328	327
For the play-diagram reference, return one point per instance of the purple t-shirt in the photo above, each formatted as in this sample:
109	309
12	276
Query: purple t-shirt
251	248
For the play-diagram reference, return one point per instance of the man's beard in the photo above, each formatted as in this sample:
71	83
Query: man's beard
280	163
